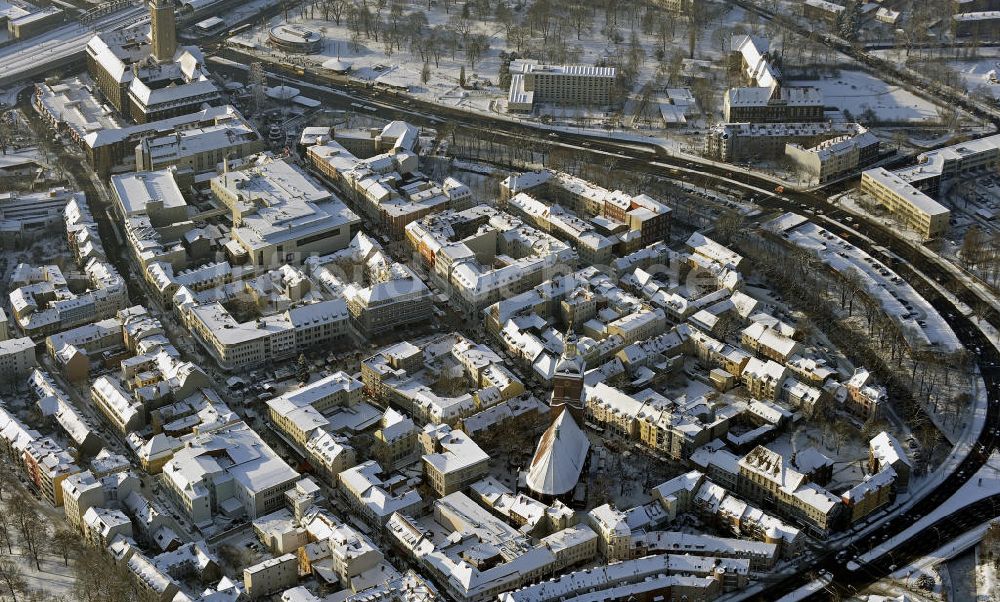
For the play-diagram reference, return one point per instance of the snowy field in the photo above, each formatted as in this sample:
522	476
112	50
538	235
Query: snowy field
857	92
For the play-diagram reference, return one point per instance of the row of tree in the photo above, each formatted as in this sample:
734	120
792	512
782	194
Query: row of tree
920	381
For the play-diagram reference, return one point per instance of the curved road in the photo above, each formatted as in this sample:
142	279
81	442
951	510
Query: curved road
652	160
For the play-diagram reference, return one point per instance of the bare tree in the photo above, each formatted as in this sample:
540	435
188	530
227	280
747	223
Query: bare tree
13	578
64	543
518	36
335	8
29	525
476	47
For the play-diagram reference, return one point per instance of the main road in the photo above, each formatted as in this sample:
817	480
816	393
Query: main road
62	46
924	273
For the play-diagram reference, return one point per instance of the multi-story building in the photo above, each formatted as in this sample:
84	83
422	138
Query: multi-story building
403	375
381	294
532	82
909	192
766	478
983	26
835	157
113	144
14	437
17	360
280	215
201	149
376	171
27	216
633	222
870	495
764	378
395	443
75	349
656	577
772	105
43	302
377	499
823	150
822	11
452	461
764	99
907	203
102	525
230	472
461	250
299	414
865	399
241	345
148	79
271	576
48	465
886	452
81	492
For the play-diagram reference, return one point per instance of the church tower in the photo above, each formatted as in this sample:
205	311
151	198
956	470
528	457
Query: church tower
567	381
163	30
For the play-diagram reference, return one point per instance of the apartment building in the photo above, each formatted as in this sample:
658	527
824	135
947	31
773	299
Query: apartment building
81	492
766	478
835	157
48	465
243	345
884	451
907	203
271	576
375	498
395	443
402	374
43	302
377	172
381	294
532	82
864	398
822	11
982	26
17	360
873	493
632	222
452	461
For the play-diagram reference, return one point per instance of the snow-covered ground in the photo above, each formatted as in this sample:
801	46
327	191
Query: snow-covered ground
987	573
858	91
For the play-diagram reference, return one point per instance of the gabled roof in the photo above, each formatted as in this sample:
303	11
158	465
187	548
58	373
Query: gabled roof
558	461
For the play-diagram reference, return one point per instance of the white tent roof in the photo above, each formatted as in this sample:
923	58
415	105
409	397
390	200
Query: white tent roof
282	92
